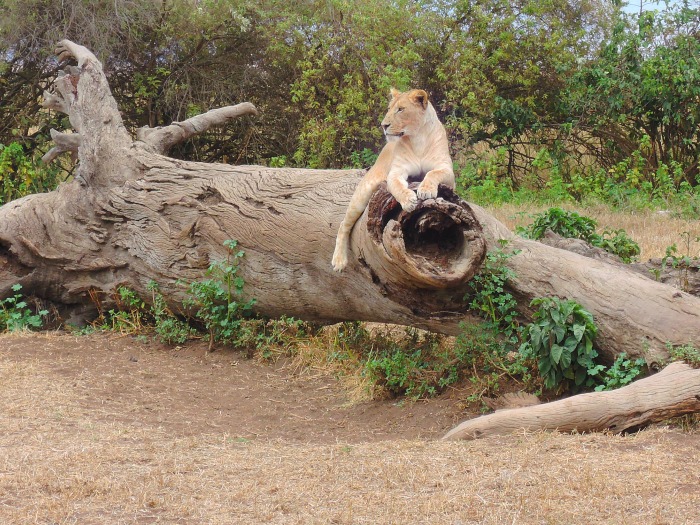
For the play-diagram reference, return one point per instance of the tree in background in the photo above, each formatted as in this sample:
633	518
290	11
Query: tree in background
640	96
574	86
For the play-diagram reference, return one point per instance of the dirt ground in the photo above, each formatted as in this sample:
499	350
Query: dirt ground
105	429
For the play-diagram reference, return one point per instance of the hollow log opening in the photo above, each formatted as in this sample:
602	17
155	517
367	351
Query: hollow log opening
433	235
440	244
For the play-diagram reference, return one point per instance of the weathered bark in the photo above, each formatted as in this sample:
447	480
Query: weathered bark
685	275
133	215
672	392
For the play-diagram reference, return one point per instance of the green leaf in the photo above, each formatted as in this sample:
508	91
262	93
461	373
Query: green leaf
535	336
556	352
559	332
571	343
544	365
580	376
565	359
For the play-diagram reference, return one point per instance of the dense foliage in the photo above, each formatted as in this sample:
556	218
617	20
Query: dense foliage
571	97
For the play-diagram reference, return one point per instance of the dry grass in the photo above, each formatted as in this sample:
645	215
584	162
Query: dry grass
61	464
653	231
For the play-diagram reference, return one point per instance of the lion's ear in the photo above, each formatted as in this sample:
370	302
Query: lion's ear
420	97
394	93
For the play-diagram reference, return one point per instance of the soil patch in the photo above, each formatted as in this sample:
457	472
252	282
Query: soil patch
187	391
107	430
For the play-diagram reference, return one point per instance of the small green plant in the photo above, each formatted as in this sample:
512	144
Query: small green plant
169	329
560	339
622	372
571	225
681	262
273	337
618	243
489	359
568	224
416	365
363	159
401	372
218	302
15	314
688	353
128	316
489	295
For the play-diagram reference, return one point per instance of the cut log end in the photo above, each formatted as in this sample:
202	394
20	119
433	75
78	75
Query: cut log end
438	245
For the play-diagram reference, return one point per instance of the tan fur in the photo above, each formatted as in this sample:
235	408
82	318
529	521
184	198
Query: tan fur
416	144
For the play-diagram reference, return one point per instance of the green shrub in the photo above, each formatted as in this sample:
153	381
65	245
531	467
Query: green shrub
169	329
560	339
15	314
20	175
489	295
688	353
568	224
621	373
572	225
218	302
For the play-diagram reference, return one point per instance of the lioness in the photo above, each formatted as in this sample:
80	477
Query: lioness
416	144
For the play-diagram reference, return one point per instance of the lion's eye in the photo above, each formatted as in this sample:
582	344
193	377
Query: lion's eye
399	109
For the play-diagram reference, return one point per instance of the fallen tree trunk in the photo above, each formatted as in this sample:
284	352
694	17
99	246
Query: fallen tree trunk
674	391
132	215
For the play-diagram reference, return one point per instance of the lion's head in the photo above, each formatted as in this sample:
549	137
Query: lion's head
407	113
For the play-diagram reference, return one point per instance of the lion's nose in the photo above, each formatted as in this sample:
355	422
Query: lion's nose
385	126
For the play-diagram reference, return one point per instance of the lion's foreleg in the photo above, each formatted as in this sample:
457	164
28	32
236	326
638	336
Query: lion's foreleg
397	184
428	188
357	206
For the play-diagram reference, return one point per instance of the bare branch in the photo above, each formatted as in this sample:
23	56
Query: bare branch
66	50
64	142
161	139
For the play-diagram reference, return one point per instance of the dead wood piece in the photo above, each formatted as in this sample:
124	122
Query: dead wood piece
65	142
161	139
131	216
672	392
578	246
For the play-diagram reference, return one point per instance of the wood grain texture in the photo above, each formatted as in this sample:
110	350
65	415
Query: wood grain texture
672	392
132	216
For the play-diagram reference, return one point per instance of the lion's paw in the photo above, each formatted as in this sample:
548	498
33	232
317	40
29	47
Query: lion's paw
410	203
340	261
427	191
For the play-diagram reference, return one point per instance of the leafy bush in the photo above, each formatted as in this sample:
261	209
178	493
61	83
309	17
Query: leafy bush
622	372
15	314
489	295
20	176
568	224
218	302
273	337
618	243
363	159
414	363
560	339
572	225
169	329
688	353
